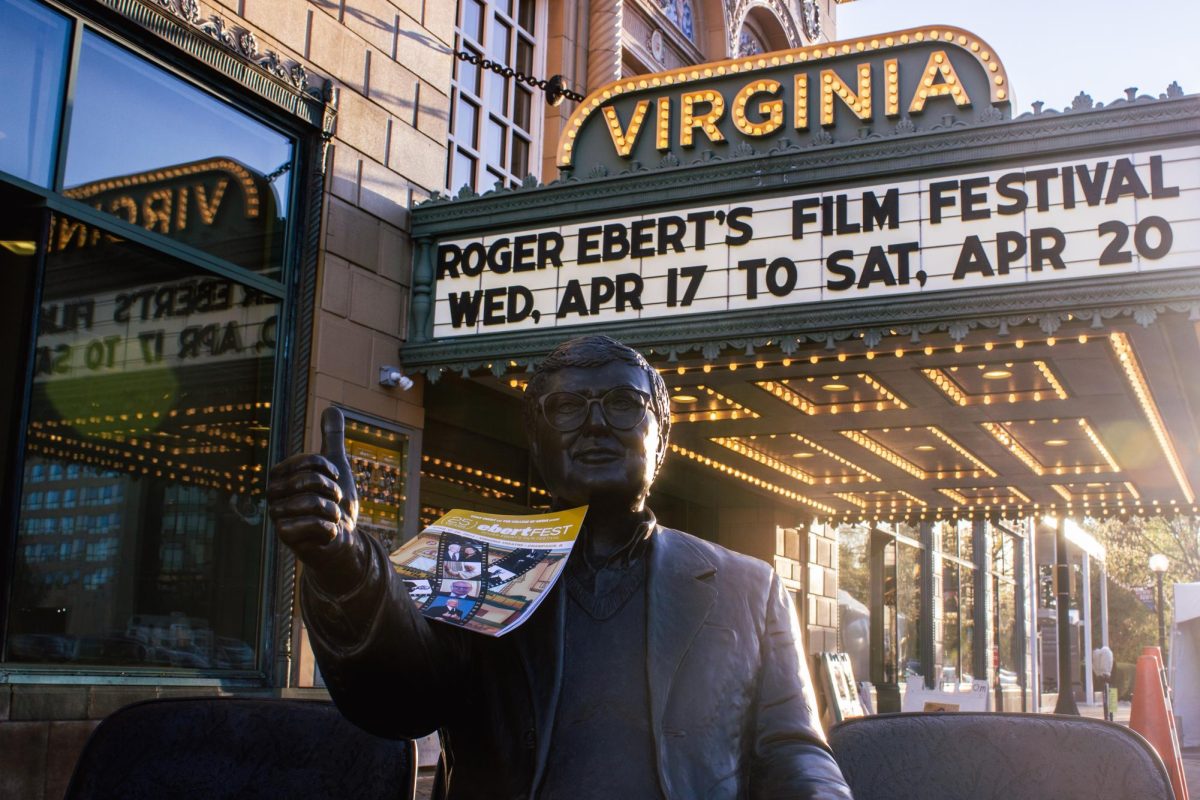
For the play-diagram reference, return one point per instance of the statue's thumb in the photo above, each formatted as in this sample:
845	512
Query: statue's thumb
333	437
333	447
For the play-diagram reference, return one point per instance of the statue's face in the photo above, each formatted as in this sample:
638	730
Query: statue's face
597	462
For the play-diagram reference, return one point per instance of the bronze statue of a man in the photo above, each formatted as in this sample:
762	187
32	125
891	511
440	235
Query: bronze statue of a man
660	666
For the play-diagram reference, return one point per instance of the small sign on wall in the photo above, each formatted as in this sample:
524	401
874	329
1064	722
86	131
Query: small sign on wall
839	689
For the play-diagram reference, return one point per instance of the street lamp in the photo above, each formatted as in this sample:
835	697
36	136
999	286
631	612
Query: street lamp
1158	565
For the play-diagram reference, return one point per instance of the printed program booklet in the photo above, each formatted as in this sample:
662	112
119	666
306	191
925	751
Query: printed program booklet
487	572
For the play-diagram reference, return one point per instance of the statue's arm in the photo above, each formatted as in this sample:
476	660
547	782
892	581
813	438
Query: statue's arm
791	758
390	670
385	665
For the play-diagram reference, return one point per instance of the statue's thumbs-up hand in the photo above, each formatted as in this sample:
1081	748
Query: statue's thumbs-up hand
333	448
313	502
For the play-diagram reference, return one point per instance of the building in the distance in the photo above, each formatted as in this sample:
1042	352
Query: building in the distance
223	217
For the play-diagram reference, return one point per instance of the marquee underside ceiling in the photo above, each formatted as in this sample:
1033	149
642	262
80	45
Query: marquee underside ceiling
1095	422
1092	421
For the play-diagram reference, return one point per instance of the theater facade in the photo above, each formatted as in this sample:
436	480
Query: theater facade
908	336
911	334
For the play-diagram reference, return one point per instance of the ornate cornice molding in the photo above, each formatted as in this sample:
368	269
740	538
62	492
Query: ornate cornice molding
233	51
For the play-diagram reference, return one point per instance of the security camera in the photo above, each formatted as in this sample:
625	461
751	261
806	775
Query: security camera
392	376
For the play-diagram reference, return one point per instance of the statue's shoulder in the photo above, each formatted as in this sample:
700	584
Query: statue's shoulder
726	562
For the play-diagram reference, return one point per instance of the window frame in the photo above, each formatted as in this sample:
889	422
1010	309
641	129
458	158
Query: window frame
294	290
486	173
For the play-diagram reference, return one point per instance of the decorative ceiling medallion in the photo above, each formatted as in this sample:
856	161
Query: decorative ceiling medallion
1048	447
987	496
1123	350
1014	382
808	397
657	48
753	480
705	404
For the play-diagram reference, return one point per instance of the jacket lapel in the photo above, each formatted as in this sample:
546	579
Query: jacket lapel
680	594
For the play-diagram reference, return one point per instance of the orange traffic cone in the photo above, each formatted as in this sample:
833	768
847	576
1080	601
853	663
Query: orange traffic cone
1151	716
1156	653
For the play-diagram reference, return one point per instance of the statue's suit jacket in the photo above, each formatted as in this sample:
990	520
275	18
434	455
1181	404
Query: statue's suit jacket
731	705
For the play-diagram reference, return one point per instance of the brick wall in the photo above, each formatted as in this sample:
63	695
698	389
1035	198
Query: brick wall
821	588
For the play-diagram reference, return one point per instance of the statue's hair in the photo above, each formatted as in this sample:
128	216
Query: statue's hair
596	351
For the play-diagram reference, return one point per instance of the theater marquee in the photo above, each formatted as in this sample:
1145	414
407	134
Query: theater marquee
879	184
1069	219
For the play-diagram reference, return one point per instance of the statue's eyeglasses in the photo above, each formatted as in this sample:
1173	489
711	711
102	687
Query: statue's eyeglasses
623	407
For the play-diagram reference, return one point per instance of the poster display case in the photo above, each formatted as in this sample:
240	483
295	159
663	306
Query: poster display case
383	457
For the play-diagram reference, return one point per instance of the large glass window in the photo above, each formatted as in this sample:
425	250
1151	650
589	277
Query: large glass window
144	433
493	123
901	575
908	574
1010	655
958	602
175	160
854	597
153	382
681	12
33	62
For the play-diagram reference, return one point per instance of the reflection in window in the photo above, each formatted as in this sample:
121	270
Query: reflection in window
1008	644
958	602
33	60
492	125
908	573
379	458
153	384
174	160
854	597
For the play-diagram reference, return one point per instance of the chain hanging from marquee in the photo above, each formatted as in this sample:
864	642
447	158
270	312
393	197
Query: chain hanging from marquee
553	86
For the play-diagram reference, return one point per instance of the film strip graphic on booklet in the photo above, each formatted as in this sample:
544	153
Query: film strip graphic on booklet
484	572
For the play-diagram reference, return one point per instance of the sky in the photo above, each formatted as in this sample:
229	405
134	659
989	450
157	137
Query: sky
1054	49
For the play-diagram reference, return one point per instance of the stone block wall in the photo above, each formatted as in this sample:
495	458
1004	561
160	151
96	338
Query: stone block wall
821	563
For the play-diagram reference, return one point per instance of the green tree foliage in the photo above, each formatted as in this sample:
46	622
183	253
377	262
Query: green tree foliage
1131	625
1129	544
